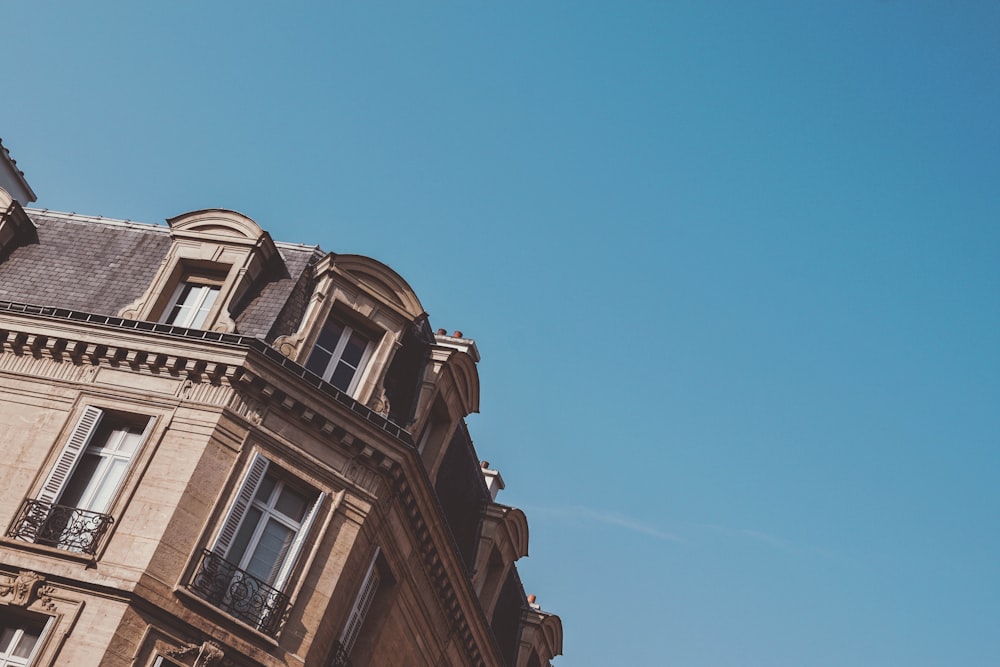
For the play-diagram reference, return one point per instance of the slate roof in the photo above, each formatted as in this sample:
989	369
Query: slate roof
98	265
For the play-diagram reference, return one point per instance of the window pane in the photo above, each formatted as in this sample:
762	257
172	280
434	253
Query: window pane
6	636
208	299
342	376
105	487
27	642
354	349
178	308
270	551
192	305
128	439
237	550
265	489
81	480
318	361
330	335
291	504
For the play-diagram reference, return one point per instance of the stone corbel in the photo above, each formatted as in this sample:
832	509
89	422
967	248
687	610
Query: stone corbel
206	653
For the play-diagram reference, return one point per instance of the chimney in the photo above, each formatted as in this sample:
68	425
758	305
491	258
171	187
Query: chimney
494	482
457	341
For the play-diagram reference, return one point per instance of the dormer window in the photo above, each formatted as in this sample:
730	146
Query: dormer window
216	259
340	355
355	322
191	305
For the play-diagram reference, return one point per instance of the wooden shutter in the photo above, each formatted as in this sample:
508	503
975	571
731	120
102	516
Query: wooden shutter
78	440
365	596
254	476
296	547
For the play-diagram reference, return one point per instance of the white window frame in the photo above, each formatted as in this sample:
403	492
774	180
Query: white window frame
77	445
7	660
62	473
245	498
338	351
194	301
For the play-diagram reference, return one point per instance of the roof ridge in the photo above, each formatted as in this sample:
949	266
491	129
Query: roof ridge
115	222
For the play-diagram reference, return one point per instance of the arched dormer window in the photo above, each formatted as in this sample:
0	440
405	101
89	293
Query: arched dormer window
215	257
358	314
503	540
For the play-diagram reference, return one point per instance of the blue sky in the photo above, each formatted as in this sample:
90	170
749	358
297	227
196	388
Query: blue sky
732	267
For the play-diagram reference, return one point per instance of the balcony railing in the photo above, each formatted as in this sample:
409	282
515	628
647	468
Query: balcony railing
68	528
238	593
338	656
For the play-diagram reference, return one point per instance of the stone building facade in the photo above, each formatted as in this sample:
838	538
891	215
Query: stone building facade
218	449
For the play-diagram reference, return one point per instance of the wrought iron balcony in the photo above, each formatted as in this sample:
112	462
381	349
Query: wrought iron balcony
338	656
68	528
238	593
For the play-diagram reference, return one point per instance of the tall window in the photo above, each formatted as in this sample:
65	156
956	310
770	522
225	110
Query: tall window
191	304
269	528
245	571
102	467
356	619
340	355
71	509
20	633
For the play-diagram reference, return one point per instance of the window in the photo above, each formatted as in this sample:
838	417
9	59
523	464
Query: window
362	604
260	540
340	355
20	635
71	510
191	304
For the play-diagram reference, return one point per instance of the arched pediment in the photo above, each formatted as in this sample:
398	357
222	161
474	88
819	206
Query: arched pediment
216	222
516	524
553	631
466	377
382	280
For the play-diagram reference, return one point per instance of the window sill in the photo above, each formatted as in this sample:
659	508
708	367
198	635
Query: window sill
62	554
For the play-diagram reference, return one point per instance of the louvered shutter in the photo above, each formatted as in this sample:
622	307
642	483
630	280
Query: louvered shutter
365	596
78	440
254	476
296	547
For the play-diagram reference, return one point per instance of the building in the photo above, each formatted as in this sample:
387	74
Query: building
220	450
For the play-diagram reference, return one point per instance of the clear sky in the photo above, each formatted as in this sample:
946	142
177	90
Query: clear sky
733	267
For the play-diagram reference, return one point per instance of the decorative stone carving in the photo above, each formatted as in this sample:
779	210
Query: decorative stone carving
364	477
45	594
206	653
380	404
23	588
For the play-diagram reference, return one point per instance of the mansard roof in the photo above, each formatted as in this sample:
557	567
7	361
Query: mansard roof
99	265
